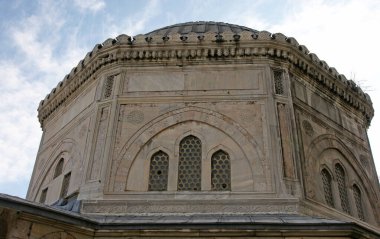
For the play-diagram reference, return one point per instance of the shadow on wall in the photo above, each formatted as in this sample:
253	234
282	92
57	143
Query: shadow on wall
3	228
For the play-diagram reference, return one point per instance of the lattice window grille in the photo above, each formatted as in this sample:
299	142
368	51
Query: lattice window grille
358	202
158	172
220	171
59	168
43	195
278	82
108	84
190	164
327	187
65	185
342	188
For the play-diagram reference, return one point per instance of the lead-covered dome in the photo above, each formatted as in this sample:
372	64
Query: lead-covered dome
199	28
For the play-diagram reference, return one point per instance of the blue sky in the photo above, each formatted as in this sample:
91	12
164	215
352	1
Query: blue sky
41	41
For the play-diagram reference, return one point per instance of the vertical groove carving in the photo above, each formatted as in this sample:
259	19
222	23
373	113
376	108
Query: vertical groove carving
99	145
287	156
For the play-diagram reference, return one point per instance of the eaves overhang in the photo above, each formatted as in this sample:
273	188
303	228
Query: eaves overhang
203	43
186	224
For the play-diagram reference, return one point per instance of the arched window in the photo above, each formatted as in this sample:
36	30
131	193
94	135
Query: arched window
220	171
59	168
65	185
358	201
327	187
190	164
158	172
278	82
107	88
43	195
341	178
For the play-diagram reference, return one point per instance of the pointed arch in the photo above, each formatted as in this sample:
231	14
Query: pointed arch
315	156
65	185
158	171
67	149
327	187
358	202
342	187
59	168
252	153
190	164
220	171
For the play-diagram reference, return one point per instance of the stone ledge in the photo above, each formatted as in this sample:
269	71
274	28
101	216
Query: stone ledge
152	207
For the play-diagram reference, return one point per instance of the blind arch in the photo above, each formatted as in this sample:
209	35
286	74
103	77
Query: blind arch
341	179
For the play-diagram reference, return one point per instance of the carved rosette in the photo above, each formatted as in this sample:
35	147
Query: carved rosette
308	128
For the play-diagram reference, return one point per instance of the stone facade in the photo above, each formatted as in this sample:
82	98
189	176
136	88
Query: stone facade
207	118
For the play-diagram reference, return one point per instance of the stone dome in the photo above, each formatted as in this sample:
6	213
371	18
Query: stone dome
200	27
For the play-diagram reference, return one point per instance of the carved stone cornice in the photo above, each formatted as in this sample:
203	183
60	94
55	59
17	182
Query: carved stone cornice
203	48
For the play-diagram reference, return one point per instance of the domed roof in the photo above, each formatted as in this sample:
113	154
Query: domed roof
199	28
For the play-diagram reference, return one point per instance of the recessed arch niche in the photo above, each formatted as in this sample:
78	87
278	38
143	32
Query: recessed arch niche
165	130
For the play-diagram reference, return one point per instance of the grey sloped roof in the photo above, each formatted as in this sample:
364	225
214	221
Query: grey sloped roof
200	27
203	225
253	222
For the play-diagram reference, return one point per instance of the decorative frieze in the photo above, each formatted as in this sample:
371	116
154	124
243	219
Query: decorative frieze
200	48
189	206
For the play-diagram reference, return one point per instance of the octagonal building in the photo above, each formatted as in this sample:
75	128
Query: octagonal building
208	121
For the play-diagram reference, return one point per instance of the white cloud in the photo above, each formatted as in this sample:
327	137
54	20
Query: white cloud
19	134
25	80
28	39
135	23
248	14
91	5
40	36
